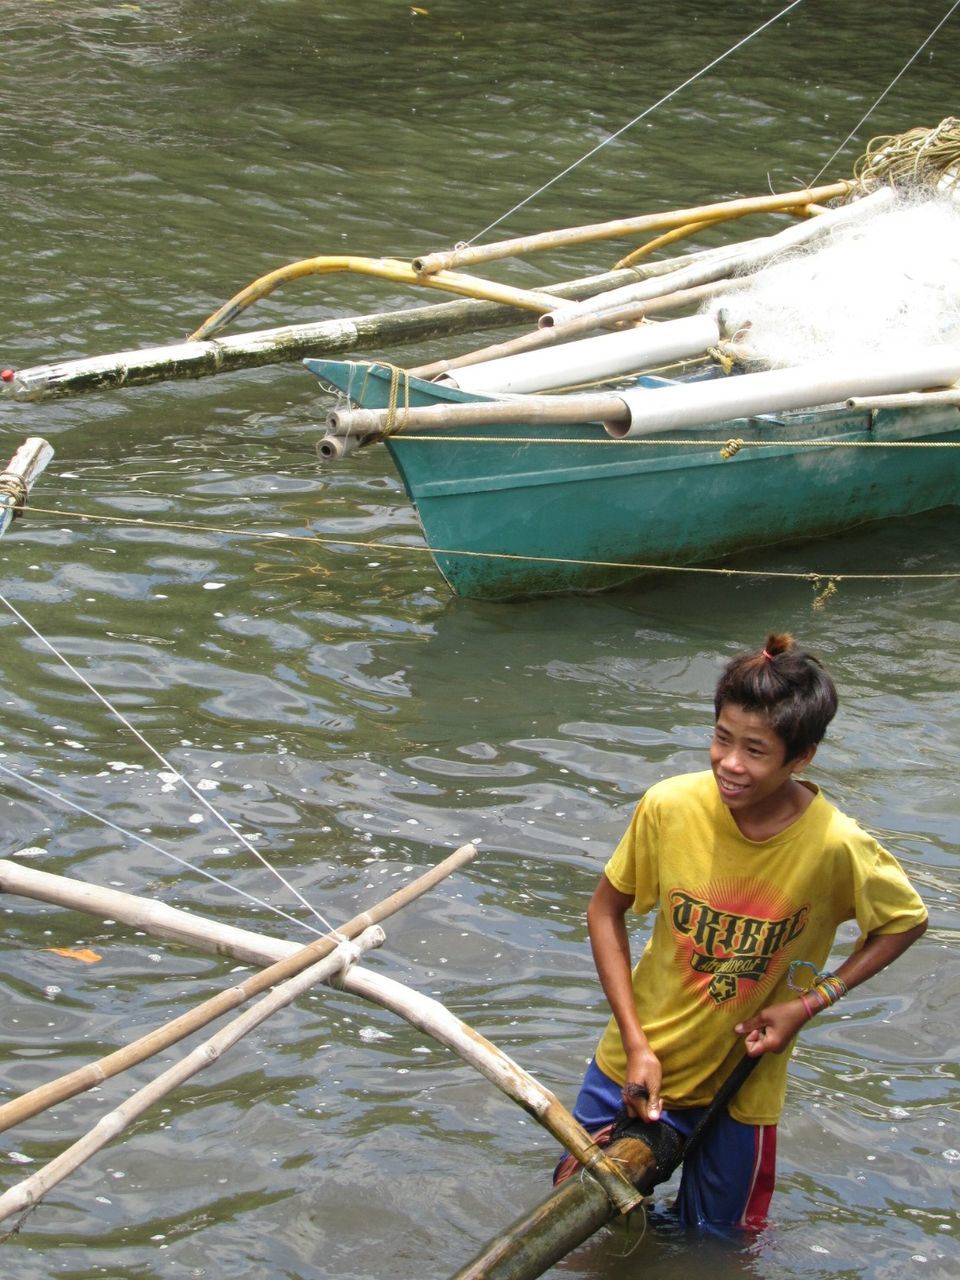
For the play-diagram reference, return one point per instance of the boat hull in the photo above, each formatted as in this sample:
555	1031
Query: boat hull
508	515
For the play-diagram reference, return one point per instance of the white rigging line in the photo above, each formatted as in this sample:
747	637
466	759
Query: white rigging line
636	120
860	123
198	795
150	844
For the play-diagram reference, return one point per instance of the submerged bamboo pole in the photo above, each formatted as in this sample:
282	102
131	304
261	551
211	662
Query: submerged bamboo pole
568	1216
572	1212
19	476
444	261
284	959
32	1189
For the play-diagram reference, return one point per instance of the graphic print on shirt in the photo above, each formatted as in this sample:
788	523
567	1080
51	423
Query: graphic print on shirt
730	934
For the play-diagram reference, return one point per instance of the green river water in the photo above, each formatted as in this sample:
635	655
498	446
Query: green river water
348	714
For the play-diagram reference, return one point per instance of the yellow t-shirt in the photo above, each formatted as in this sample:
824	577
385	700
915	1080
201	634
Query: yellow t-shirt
731	915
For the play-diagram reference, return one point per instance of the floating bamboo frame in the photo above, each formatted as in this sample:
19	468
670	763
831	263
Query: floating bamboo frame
30	1190
421	1011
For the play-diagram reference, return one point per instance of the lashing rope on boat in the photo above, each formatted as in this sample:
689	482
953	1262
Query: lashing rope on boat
13	487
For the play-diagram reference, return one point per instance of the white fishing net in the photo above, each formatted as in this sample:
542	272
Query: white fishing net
889	281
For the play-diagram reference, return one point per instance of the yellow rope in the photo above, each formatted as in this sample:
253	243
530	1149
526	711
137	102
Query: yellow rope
398	376
734	444
812	575
922	157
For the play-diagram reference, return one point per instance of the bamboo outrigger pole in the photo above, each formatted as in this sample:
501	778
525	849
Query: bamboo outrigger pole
287	343
572	1212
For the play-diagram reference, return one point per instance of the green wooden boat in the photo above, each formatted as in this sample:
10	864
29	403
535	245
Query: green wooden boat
511	511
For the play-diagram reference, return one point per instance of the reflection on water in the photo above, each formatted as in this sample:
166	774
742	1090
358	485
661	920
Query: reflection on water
352	719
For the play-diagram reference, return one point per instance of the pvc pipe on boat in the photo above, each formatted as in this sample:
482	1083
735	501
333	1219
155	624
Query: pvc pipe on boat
591	359
824	382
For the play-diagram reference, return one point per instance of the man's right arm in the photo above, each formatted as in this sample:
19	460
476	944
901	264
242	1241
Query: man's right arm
606	921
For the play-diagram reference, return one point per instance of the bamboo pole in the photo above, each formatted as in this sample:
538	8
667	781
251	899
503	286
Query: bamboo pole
153	917
907	400
574	1210
694	228
19	476
528	410
285	344
385	269
431	262
615	316
437	1021
284	958
571	1214
31	1189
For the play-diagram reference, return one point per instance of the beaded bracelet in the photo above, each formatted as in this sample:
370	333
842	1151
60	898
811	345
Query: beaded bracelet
825	989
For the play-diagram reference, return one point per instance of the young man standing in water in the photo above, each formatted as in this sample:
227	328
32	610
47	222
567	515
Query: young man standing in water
750	871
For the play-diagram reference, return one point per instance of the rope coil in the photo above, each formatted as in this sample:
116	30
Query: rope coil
13	492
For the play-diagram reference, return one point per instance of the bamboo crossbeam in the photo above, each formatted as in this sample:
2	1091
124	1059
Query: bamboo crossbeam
569	330
31	1189
620	227
19	476
284	959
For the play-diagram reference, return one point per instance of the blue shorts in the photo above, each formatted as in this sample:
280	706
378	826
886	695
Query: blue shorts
727	1182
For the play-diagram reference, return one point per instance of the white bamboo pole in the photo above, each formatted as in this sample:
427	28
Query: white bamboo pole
907	400
284	959
628	414
500	1069
31	1189
520	411
17	479
155	918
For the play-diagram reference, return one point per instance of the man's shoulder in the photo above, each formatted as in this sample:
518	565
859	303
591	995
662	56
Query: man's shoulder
680	790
